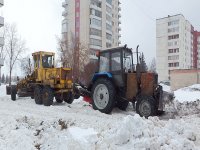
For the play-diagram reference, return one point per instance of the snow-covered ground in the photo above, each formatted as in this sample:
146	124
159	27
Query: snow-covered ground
25	125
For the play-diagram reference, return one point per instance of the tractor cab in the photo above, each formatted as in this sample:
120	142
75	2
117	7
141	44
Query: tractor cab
43	60
117	62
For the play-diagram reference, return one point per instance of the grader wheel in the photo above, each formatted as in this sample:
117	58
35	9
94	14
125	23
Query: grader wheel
47	96
38	95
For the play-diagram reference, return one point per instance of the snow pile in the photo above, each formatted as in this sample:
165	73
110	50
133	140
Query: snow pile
135	132
25	125
188	94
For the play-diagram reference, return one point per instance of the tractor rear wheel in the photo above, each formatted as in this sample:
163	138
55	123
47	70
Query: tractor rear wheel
68	97
103	95
146	106
13	92
122	105
47	96
38	95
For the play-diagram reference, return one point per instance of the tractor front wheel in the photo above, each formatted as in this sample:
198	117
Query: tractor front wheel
47	96
146	106
38	95
103	95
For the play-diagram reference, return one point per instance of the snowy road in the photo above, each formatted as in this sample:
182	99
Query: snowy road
25	125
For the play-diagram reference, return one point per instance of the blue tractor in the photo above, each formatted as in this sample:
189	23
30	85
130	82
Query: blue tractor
118	81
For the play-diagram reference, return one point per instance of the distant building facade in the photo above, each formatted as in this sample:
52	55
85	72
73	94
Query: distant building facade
1	38
95	23
176	45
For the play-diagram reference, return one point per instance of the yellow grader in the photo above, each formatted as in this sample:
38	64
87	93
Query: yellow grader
46	82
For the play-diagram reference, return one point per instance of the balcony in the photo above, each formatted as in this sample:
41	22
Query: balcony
1	21
1	62
120	28
95	7
119	15
64	4
64	14
1	3
119	9
120	22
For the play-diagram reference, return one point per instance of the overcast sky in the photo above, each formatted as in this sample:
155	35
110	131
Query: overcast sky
39	21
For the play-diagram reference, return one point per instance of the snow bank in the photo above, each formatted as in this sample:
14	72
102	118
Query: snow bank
135	132
188	94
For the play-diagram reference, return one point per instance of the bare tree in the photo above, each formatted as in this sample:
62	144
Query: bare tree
26	65
152	66
14	47
73	54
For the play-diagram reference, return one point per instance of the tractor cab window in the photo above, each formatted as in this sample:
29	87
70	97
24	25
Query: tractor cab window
104	62
47	61
115	61
127	61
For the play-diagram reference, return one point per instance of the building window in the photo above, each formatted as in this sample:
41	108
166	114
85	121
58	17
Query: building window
95	22
176	50
174	22
95	32
108	9
96	13
95	42
175	57
173	37
108	27
108	18
108	45
170	43
108	36
175	29
176	64
96	3
109	2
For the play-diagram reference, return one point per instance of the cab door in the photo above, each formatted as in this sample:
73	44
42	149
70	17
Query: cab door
116	68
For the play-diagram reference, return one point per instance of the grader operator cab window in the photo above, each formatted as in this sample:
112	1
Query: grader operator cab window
47	61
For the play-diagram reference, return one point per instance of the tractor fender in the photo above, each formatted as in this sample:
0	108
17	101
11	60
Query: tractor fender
100	75
96	76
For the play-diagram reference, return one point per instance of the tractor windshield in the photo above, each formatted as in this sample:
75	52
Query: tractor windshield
47	61
127	61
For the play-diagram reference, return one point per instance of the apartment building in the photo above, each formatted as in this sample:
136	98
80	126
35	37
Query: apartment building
196	49
94	23
1	38
175	45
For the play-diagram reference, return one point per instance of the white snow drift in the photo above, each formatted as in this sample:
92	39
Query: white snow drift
25	125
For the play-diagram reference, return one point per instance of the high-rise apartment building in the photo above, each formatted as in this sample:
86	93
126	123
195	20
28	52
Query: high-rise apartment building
196	49
175	45
1	38
94	23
